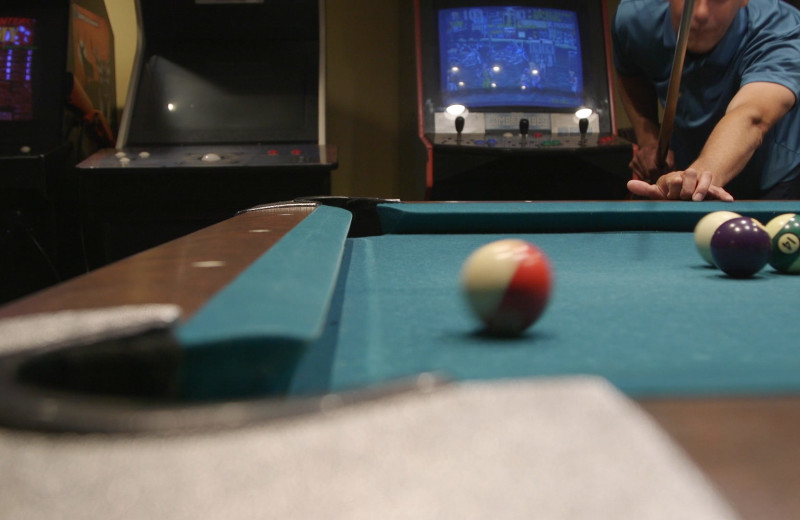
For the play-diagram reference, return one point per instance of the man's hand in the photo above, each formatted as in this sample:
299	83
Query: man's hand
680	185
644	164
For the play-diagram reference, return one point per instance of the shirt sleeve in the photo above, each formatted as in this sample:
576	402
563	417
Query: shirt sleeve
773	54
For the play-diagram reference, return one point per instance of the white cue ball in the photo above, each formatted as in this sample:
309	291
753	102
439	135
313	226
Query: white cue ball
704	230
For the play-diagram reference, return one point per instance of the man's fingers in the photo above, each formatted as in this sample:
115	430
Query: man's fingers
645	189
688	184
703	185
719	193
674	185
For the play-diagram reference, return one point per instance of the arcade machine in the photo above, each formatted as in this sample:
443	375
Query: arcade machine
57	103
516	100
225	110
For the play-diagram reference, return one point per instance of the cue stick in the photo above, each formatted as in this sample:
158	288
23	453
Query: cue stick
673	88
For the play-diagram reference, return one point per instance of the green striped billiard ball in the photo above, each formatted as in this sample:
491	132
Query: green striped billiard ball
786	247
777	223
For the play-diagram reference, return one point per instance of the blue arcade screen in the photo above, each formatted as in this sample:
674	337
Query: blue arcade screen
16	62
510	56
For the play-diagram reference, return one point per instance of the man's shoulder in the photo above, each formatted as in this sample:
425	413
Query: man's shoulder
772	13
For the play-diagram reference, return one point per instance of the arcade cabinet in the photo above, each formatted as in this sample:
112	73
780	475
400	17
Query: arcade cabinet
57	103
225	110
516	100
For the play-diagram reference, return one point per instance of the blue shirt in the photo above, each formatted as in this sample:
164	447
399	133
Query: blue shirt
762	44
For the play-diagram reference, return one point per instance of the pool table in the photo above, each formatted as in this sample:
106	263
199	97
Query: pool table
336	294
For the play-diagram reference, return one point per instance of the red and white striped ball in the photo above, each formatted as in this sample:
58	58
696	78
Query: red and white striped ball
507	285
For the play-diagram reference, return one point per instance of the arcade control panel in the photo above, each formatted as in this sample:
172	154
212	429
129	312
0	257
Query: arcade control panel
527	139
211	156
139	196
536	141
537	157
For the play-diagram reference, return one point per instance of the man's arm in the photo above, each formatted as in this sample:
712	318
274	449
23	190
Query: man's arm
734	140
641	105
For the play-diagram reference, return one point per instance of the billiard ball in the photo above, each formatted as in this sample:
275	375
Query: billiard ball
741	247
704	230
786	247
775	225
507	285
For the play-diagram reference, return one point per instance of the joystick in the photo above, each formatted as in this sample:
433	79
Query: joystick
459	126
524	125
583	126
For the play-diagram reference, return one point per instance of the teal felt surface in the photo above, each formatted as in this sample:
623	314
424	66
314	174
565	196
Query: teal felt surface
247	338
632	301
639	308
537	217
